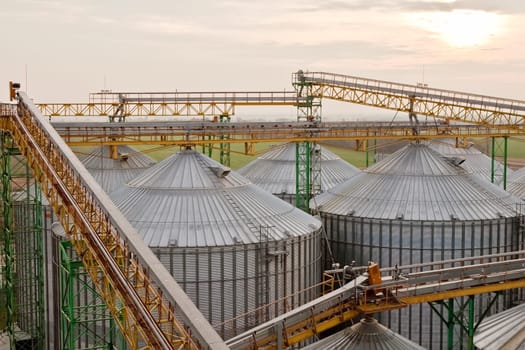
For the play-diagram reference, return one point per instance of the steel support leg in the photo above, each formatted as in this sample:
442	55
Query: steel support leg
302	175
8	251
308	154
450	325
225	147
496	171
470	341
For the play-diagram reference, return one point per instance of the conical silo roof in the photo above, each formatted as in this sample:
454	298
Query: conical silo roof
110	173
504	330
368	334
190	200
516	183
275	170
475	162
417	183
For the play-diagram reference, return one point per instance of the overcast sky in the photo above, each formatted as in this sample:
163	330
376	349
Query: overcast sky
69	48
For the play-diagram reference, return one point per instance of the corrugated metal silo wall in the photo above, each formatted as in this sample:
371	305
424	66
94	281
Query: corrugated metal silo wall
391	242
28	271
226	282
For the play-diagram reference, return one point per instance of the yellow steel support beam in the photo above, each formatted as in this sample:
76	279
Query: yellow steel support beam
131	133
489	288
168	103
420	100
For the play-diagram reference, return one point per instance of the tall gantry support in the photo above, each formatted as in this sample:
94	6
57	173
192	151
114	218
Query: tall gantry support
225	147
464	317
8	256
498	172
22	278
85	321
308	153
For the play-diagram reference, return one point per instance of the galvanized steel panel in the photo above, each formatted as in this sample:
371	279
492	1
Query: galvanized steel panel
274	171
182	202
503	330
416	207
231	245
111	174
516	183
476	162
416	183
225	282
368	334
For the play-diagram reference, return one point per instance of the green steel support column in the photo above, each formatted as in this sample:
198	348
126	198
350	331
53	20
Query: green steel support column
29	255
492	157
38	263
8	252
366	150
308	154
207	148
450	325
225	147
505	149
302	178
498	171
464	317
470	344
85	320
22	280
375	148
67	313
210	147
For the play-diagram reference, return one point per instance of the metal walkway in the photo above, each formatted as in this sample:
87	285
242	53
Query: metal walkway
205	133
445	104
398	288
152	311
169	103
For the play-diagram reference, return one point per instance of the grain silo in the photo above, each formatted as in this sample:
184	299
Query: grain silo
504	330
367	334
232	246
113	166
516	184
475	161
274	171
416	206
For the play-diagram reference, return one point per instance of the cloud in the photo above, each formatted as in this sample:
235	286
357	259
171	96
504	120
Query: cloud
163	25
501	6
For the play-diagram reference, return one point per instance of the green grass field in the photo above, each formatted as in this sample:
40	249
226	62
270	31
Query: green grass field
516	149
238	159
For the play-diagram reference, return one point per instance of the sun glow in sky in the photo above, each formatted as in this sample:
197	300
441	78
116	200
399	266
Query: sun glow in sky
462	28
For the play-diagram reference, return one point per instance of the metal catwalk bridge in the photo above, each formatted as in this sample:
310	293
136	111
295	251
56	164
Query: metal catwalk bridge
394	288
169	103
206	133
494	112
